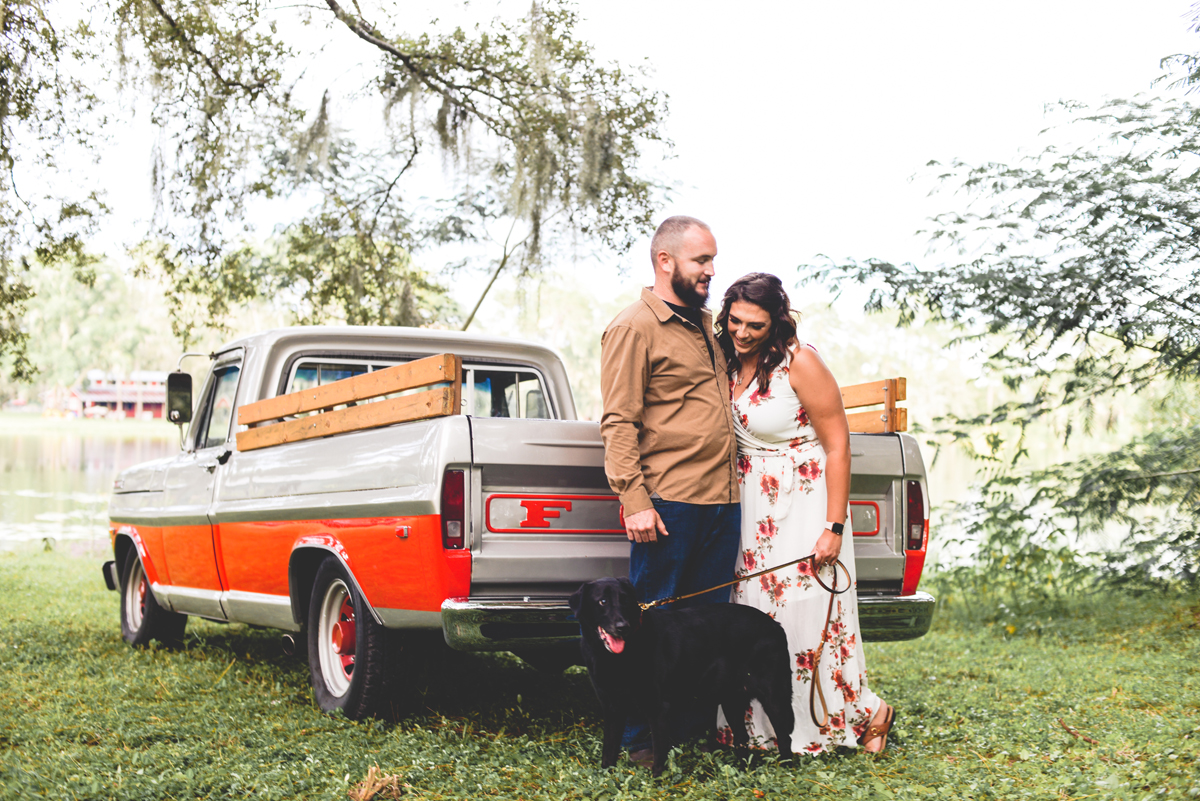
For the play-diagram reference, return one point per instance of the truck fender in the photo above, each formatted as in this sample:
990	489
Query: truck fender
127	537
307	555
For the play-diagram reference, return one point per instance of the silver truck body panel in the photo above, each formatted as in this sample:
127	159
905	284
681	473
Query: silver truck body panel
877	468
404	463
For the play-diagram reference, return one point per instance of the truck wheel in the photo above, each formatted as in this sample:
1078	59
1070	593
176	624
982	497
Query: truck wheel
142	618
348	651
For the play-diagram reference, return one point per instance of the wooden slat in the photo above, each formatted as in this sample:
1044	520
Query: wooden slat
876	422
419	373
873	392
419	406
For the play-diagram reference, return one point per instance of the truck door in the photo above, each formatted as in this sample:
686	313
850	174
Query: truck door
188	493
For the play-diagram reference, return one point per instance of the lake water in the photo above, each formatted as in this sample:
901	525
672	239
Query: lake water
56	476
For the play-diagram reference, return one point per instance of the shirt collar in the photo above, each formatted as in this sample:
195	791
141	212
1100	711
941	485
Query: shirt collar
663	312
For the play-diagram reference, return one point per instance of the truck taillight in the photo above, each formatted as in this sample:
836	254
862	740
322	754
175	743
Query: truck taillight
915	530
453	509
915	537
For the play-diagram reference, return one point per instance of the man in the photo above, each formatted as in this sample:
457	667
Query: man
669	447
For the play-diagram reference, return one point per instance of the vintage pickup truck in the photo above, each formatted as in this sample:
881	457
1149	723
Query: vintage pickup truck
296	502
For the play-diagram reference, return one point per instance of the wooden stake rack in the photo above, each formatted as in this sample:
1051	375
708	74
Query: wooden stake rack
890	418
438	401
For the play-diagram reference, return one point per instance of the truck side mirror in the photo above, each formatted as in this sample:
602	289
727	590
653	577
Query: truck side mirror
179	397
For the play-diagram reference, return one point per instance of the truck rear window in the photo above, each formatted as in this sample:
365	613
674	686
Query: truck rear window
309	374
507	393
487	391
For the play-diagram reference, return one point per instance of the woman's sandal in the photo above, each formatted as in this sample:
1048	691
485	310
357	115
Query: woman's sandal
875	732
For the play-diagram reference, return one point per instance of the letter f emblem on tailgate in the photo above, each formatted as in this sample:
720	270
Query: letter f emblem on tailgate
538	512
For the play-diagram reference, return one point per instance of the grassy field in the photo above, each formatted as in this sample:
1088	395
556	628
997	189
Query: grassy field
983	713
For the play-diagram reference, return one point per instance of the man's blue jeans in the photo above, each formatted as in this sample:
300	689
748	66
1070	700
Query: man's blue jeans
700	551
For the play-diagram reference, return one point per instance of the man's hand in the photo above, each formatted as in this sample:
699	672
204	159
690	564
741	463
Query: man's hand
644	526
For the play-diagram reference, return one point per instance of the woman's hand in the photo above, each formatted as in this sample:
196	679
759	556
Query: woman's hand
829	547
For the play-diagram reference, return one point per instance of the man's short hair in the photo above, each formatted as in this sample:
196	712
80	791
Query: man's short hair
670	233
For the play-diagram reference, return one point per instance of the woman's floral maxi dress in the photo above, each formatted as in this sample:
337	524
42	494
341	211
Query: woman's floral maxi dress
781	469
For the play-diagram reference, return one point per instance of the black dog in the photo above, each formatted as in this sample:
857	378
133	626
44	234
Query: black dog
650	663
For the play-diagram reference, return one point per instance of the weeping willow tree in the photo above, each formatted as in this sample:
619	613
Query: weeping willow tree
314	129
1083	263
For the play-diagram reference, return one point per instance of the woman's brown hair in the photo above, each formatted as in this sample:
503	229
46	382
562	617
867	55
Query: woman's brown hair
765	291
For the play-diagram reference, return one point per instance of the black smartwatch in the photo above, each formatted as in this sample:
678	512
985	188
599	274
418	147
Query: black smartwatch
836	528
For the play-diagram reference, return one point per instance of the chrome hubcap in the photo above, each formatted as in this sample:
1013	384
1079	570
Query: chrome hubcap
336	638
135	597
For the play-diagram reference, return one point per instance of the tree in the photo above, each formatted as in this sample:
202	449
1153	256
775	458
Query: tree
43	109
1084	262
74	328
546	143
541	144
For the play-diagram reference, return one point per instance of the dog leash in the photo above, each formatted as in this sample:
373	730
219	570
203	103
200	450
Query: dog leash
815	692
811	557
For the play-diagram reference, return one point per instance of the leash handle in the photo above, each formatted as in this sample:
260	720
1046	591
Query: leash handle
816	574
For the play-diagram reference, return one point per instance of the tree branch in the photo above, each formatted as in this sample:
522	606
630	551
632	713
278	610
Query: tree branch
191	48
388	192
1075	733
503	261
443	86
1175	473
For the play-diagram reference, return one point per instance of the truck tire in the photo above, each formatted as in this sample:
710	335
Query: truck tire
350	655
142	618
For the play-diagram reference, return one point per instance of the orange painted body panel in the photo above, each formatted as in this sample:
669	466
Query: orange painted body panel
254	556
412	572
190	557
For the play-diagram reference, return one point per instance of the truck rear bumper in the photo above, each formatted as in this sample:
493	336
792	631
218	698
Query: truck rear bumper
889	618
504	624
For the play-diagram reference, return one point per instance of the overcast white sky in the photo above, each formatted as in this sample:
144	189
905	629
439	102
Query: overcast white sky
798	125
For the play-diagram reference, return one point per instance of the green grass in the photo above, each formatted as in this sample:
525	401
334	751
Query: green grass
82	715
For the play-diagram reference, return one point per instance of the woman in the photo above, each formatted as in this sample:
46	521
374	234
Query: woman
794	470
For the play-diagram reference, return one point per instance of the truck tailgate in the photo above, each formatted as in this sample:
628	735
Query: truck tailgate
542	515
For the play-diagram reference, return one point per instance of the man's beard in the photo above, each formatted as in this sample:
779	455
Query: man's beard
687	291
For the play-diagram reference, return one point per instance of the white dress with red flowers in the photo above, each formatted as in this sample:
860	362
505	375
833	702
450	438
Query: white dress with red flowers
781	469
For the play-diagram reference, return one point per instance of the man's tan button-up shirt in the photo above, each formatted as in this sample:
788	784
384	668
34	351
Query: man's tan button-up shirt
667	423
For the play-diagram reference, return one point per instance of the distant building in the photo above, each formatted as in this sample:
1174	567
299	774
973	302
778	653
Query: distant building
143	394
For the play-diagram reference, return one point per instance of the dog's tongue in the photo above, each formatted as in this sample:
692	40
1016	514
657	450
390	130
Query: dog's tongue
614	644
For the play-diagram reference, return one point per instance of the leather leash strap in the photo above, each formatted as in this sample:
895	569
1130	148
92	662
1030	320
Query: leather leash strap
811	557
814	686
815	691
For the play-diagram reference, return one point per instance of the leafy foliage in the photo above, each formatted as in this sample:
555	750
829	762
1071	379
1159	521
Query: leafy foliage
542	138
1084	264
1086	260
534	137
